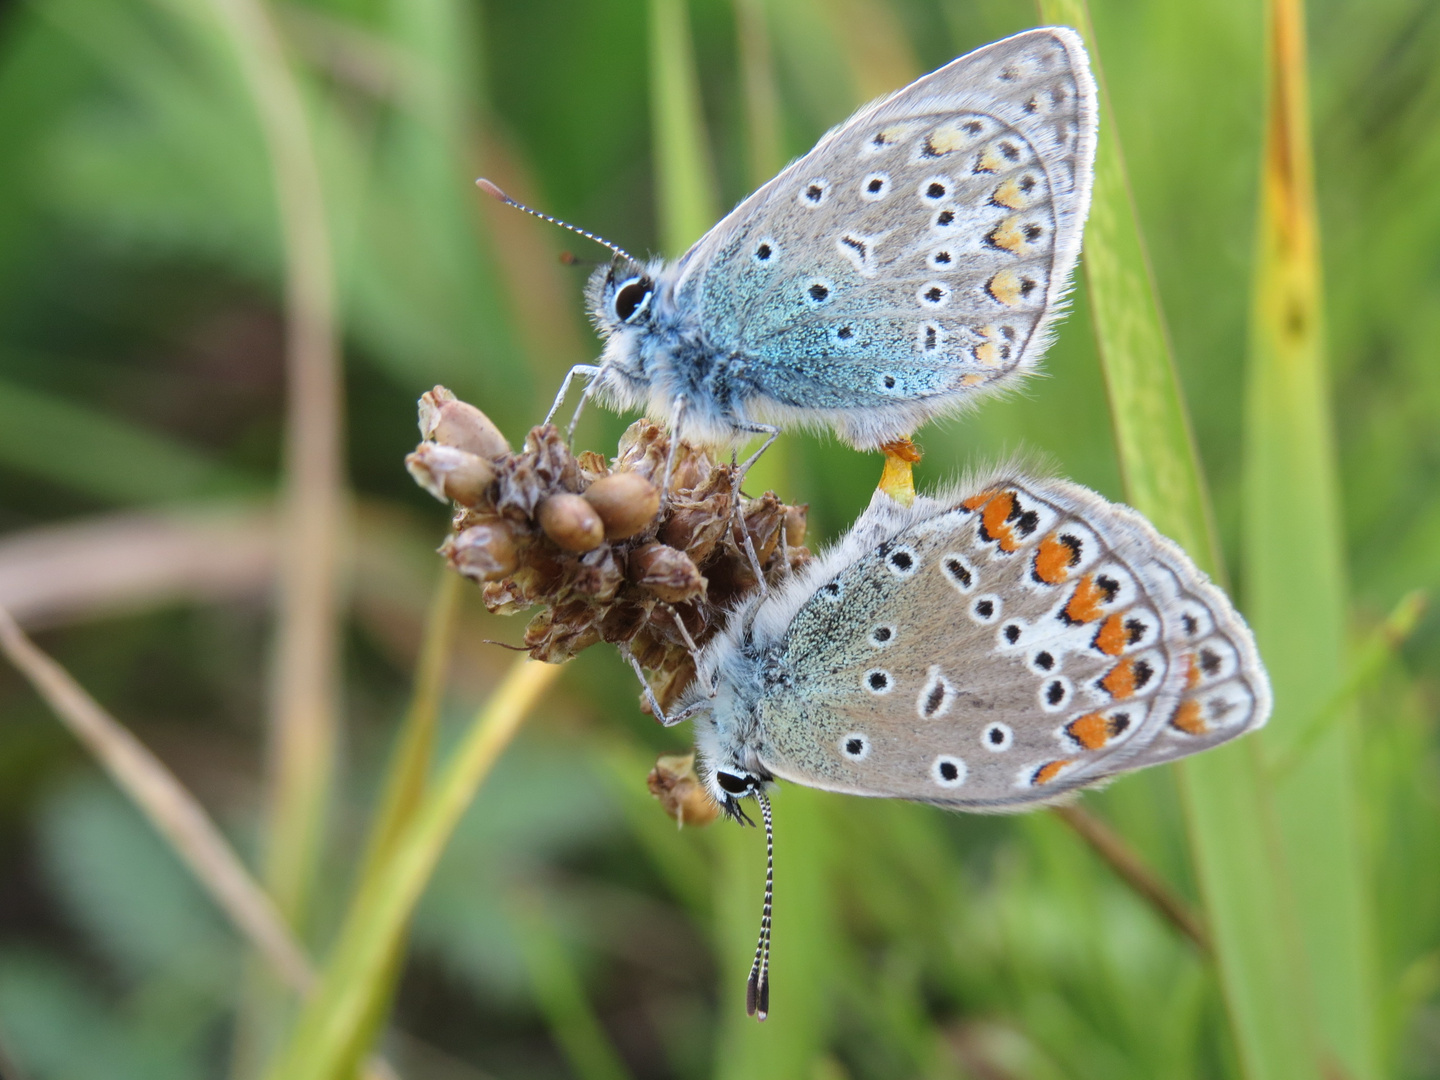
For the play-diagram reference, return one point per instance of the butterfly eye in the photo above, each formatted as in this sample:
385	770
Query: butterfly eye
631	297
735	785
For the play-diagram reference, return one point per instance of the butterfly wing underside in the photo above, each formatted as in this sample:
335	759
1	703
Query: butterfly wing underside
918	253
1015	644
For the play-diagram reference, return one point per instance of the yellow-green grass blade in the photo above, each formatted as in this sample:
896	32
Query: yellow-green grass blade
356	974
1295	589
1236	845
685	180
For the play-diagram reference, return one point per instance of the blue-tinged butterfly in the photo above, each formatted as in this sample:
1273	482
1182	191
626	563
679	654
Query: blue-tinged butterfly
909	264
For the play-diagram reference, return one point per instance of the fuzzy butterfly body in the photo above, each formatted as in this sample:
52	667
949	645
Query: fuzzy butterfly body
989	649
911	262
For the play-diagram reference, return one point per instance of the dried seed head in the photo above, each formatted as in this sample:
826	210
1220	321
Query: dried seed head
484	552
626	503
571	522
450	422
448	473
668	574
587	541
673	781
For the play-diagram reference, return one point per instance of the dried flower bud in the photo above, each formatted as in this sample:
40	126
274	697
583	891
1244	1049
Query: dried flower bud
571	522
666	573
450	422
626	503
796	522
484	552
681	794
448	473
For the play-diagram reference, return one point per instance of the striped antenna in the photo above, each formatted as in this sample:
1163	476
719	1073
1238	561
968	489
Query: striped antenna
757	990
494	192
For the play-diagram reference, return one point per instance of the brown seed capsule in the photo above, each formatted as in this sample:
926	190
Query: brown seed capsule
666	573
626	503
796	521
484	552
448	473
571	522
681	794
450	422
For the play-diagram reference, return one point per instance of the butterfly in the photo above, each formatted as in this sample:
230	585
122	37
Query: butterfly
991	649
909	264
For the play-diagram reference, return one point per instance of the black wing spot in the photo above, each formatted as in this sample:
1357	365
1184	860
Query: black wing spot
934	294
932	337
1188	621
1032	232
1012	633
948	770
878	680
942	257
902	561
854	747
944	218
845	333
1143	673
889	382
763	252
934	699
819	293
1055	693
1010	151
1044	661
814	193
1134	630
985	608
935	191
1108	586
875	186
1027	522
857	246
881	634
1027	286
972	127
1209	661
959	571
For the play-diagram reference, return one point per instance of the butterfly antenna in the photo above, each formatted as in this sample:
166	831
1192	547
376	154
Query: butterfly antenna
757	990
494	192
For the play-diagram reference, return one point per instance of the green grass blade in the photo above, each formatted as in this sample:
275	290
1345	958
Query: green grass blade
356	975
561	995
103	456
1236	846
1295	581
685	179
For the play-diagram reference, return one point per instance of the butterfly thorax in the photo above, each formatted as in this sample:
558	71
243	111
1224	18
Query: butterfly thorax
730	735
657	353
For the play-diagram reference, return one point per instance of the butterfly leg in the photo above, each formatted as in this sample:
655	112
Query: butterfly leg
585	371
677	414
771	433
654	702
690	646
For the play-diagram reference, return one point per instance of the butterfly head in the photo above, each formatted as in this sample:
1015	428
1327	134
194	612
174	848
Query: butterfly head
622	296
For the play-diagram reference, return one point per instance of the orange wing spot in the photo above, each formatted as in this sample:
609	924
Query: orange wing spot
1006	287
1054	559
1192	672
988	353
971	380
1092	731
975	502
1084	606
1007	235
995	519
1188	719
1011	195
1047	772
1119	681
1111	637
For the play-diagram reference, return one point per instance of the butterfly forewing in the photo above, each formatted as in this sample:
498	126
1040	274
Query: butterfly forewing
920	250
1004	647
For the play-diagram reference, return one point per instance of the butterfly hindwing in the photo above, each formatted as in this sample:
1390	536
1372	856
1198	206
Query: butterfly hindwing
1001	647
919	252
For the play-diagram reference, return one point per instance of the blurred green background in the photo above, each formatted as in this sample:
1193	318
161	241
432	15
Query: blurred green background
569	929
